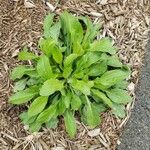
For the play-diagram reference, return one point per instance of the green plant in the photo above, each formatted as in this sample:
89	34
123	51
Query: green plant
75	72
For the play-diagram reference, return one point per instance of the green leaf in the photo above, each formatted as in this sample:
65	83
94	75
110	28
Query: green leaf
43	67
20	85
24	55
54	31
57	55
91	31
70	123
69	60
68	65
103	45
51	86
114	61
33	81
47	114
19	71
26	119
61	107
97	69
24	96
52	123
35	127
118	110
75	102
47	24
99	107
88	59
122	85
119	96
82	86
72	28
92	116
37	106
111	78
102	97
47	46
77	48
67	99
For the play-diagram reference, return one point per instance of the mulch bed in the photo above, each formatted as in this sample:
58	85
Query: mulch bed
125	21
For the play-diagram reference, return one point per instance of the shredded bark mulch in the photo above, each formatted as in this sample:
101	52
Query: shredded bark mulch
125	21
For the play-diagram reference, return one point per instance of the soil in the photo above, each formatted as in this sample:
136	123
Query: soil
125	22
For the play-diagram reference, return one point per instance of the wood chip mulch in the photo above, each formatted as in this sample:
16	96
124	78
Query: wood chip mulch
127	22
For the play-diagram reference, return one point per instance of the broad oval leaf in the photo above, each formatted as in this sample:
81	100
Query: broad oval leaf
75	102
47	114
57	55
112	77
19	71
92	116
51	86
20	85
70	123
37	105
119	96
103	45
47	46
114	61
82	86
118	110
24	55
97	69
102	97
44	68
47	24
24	96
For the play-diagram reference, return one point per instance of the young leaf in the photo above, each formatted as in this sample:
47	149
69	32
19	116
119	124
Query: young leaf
20	85
24	55
112	77
75	102
47	46
47	114
24	96
57	55
19	71
103	45
68	64
72	29
37	106
47	24
102	97
118	110
82	86
51	86
70	123
119	96
44	68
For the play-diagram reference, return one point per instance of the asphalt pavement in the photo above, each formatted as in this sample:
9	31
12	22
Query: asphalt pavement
136	134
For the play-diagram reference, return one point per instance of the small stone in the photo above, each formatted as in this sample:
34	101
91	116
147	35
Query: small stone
94	132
